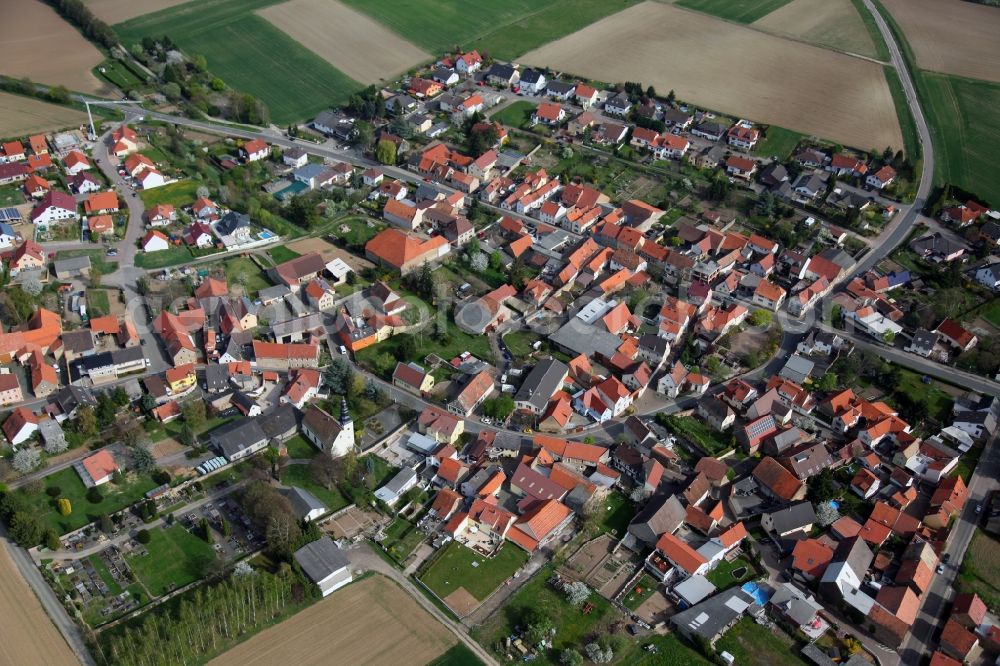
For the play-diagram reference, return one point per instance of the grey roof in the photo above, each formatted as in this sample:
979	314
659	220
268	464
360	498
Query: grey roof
855	553
322	425
501	70
321	558
794	517
400	481
559	87
303	502
799	606
662	513
710	618
232	438
531	76
78	341
50	431
71	397
715	129
273	293
280	422
232	221
216	377
694	589
775	172
309	171
542	382
812	182
72	264
798	368
581	338
922	339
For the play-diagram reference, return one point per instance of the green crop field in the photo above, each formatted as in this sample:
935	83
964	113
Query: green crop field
965	125
741	11
503	29
908	127
248	53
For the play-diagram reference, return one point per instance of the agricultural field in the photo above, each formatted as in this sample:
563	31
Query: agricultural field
116	11
833	24
294	82
951	36
376	622
745	11
503	29
966	131
24	115
655	33
29	635
47	49
343	37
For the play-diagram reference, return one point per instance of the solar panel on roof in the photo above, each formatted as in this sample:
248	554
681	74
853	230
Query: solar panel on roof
7	214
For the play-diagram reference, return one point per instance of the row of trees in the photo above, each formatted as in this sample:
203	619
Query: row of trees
77	13
207	622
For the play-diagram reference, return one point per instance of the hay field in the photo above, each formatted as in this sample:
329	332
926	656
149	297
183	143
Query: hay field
40	45
741	11
735	70
23	115
29	635
344	38
951	36
116	11
831	23
369	622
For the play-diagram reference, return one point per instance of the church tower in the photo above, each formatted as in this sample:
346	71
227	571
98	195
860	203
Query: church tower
345	438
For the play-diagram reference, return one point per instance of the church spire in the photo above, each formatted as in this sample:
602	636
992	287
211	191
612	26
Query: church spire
345	415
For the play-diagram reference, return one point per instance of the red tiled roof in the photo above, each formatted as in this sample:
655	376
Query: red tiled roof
776	478
680	553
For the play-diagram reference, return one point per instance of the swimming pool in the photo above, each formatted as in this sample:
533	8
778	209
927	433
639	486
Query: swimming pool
760	595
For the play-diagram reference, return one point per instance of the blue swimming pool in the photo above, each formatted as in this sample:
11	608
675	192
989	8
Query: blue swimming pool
759	594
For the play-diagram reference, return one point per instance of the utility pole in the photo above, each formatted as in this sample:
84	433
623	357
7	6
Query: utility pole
90	117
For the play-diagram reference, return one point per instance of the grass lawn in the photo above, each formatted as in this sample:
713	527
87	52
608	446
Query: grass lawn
615	513
458	566
722	575
11	196
356	231
700	433
936	402
281	254
118	74
176	557
382	358
298	475
179	194
299	447
402	538
293	81
908	127
172	256
572	626
84	512
458	655
671	650
641	591
967	463
158	431
503	29
98	259
517	114
965	128
519	343
778	141
991	312
980	571
752	644
744	11
243	271
97	302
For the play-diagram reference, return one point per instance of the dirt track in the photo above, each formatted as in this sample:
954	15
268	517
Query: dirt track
39	44
29	637
116	11
344	38
735	70
370	622
951	36
22	115
829	23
